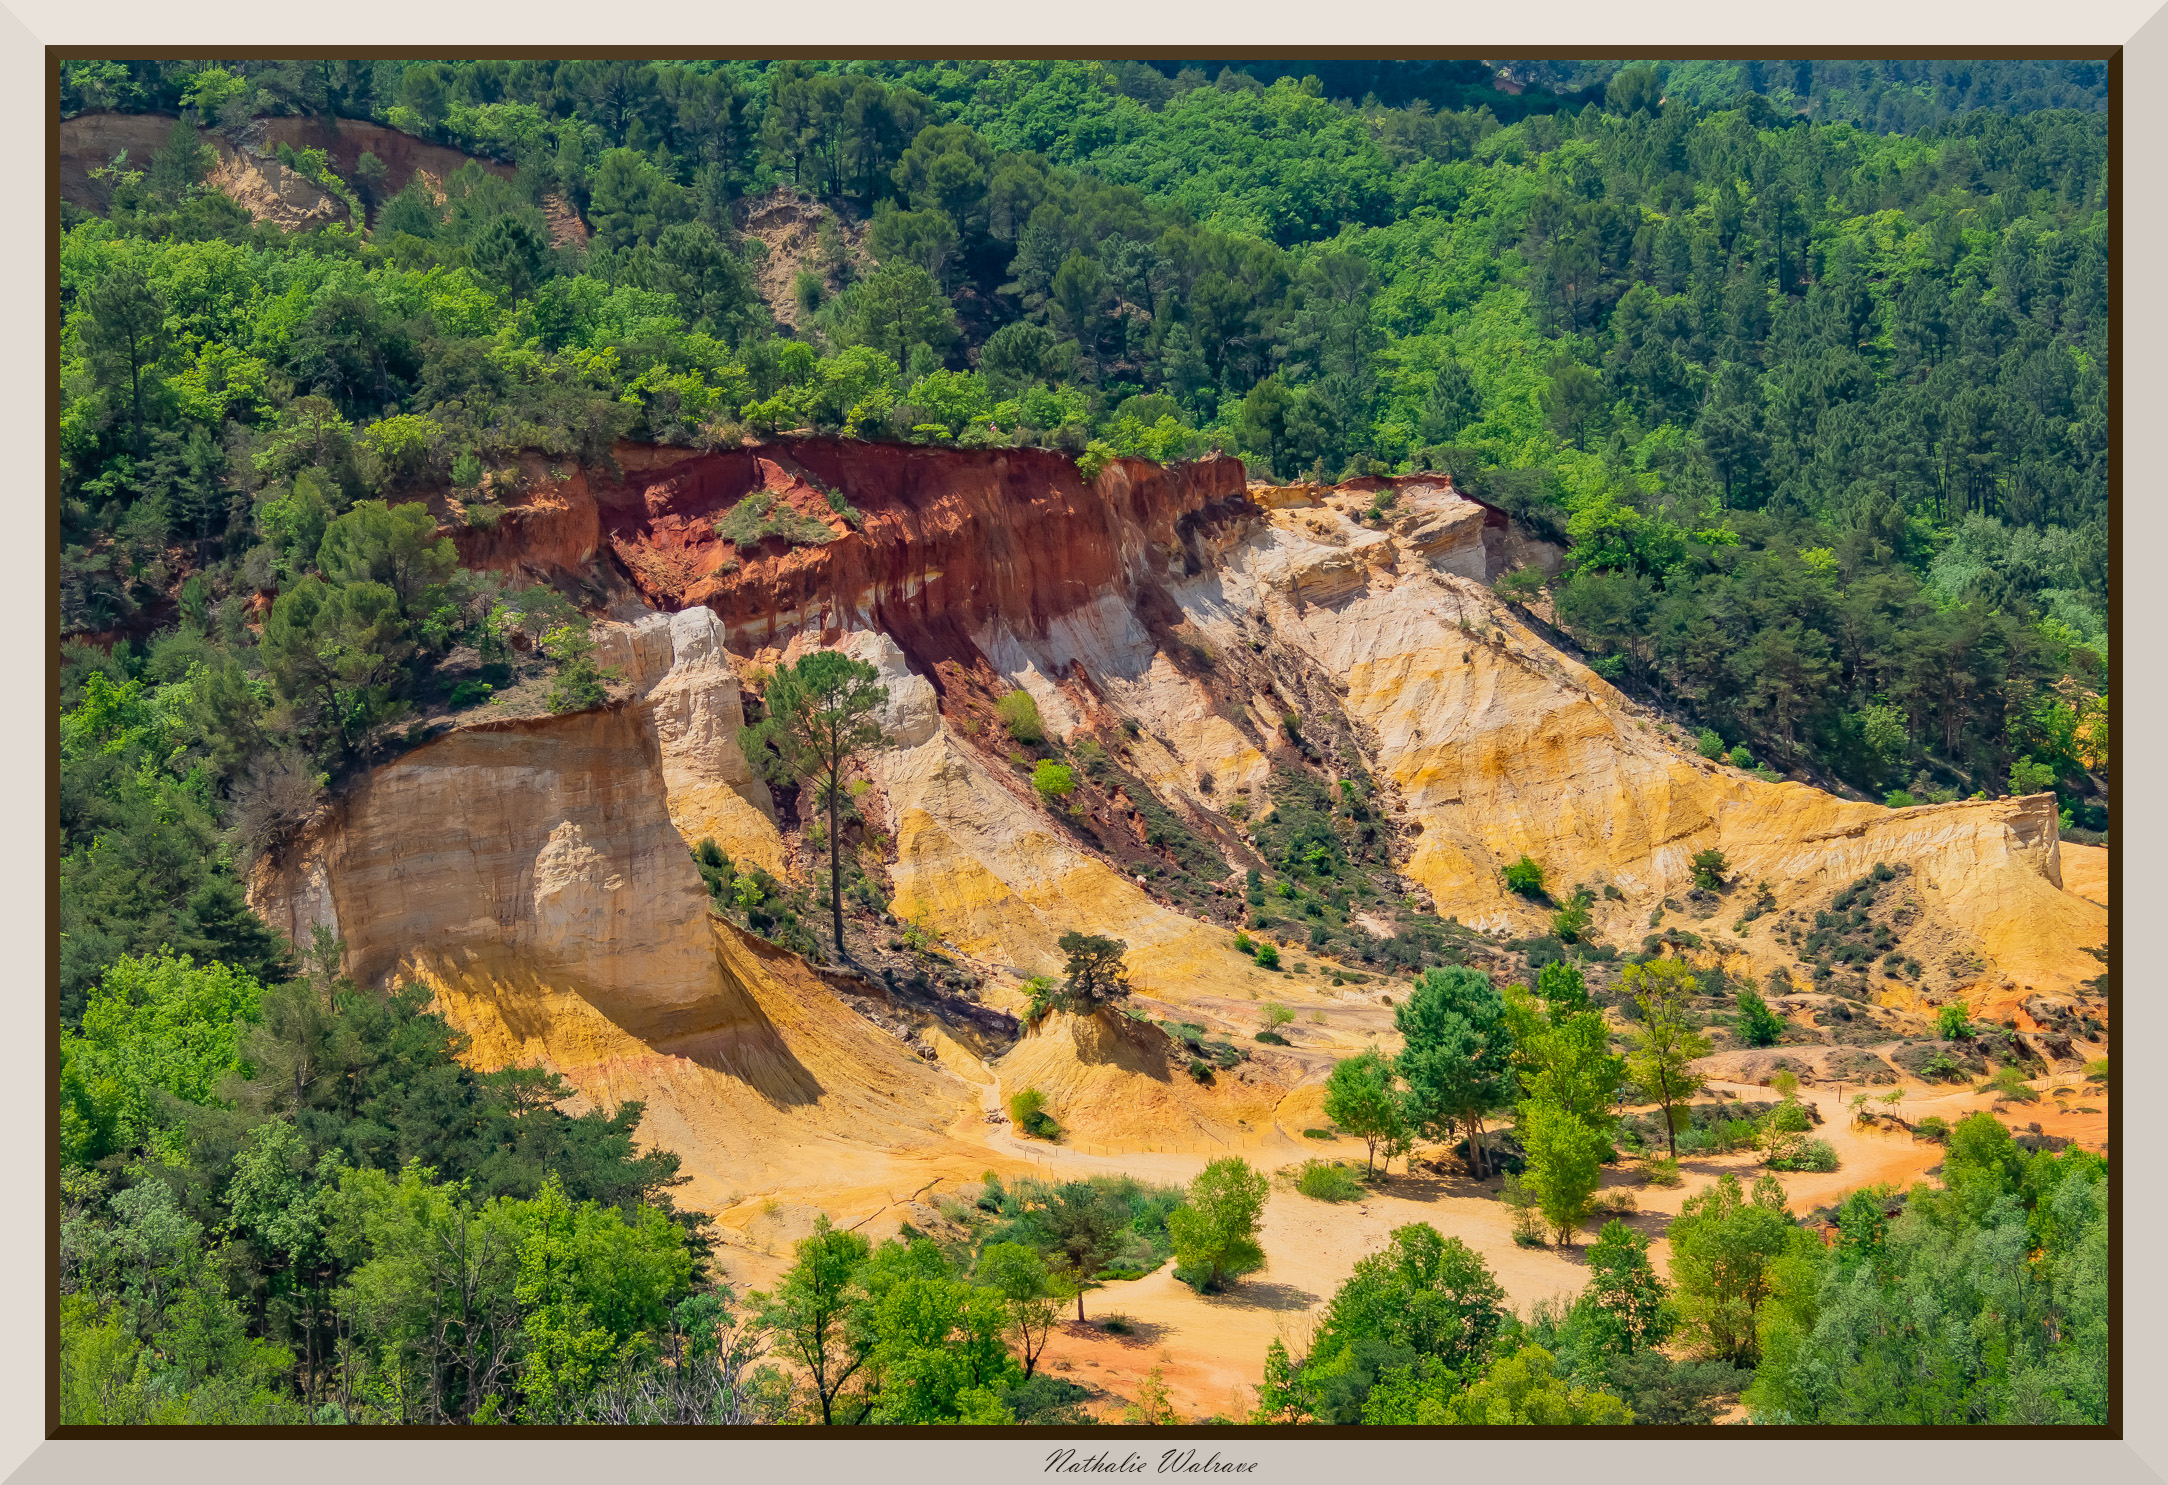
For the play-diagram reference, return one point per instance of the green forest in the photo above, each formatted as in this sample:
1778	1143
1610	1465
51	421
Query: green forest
1805	364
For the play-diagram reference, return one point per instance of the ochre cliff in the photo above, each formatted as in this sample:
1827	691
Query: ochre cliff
530	874
537	873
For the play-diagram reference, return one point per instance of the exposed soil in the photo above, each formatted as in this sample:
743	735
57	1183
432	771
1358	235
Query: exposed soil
787	223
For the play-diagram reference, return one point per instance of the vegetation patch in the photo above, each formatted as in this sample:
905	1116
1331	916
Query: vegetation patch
761	515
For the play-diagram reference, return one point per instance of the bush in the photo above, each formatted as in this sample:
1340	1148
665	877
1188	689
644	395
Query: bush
1570	923
1709	868
1277	1015
1934	1128
1525	877
1758	1026
1274	1038
1268	956
1027	1111
1741	758
1039	991
1327	1180
1020	714
1054	781
1898	799
2008	1082
1663	1172
1528	1226
760	515
1710	744
1812	1155
469	693
1952	1023
579	687
1521	585
1317	1134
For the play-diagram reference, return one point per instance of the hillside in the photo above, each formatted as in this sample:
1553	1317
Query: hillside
1488	677
537	874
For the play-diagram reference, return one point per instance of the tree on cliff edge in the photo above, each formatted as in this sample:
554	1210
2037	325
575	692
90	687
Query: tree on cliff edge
820	717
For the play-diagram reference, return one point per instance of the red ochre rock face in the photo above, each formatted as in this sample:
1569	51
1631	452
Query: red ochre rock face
936	543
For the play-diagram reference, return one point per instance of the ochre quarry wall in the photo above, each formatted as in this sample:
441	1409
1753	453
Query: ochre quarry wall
530	874
1500	744
537	874
948	540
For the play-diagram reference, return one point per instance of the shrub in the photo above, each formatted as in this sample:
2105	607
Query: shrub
1327	1180
1040	991
2008	1082
1709	868
1741	758
1274	1038
579	686
1054	781
1528	1228
1758	1026
1941	1067
760	515
1317	1134
1663	1172
1898	799
1525	877
1570	923
1268	956
1933	1128
1244	944
1277	1014
1020	714
1710	744
1952	1023
1811	1155
469	693
1027	1111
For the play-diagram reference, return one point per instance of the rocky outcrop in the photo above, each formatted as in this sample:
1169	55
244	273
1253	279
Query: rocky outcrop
687	691
249	170
948	543
530	874
537	873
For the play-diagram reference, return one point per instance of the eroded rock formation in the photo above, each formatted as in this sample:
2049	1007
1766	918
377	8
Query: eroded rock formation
537	873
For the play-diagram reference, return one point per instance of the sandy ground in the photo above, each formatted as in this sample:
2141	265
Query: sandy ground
1211	1349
